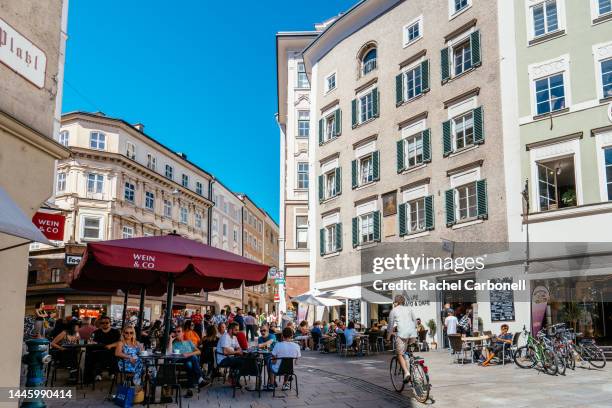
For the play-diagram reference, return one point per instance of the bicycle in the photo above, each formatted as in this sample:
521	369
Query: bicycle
588	351
536	352
419	377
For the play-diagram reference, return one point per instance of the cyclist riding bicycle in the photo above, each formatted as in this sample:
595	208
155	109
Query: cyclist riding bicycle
402	316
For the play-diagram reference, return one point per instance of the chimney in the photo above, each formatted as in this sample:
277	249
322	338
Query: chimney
139	127
183	155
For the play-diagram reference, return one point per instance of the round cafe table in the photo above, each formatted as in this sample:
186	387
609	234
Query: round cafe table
473	340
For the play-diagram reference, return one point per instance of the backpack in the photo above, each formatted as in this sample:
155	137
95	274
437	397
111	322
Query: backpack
464	324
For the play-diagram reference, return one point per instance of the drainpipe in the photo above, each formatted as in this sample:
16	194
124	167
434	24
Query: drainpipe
209	221
282	304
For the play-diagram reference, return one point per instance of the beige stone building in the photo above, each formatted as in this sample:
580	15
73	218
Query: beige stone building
31	76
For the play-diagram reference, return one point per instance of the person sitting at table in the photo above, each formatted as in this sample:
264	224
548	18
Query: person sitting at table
419	325
221	329
304	333
190	334
285	349
241	336
267	340
329	338
383	325
86	328
228	350
190	358
127	354
497	345
68	357
316	333
352	340
152	335
98	360
209	343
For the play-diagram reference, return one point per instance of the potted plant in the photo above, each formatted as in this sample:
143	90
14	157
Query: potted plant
431	325
569	198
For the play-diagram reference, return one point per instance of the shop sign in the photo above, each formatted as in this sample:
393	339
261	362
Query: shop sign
72	260
279	281
51	225
20	55
276	297
61	301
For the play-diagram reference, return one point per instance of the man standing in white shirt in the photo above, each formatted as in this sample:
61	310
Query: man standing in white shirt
285	349
451	323
406	334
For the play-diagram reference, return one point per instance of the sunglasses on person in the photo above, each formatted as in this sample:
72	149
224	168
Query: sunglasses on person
128	332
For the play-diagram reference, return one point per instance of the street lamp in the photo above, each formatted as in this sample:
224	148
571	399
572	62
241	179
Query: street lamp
525	194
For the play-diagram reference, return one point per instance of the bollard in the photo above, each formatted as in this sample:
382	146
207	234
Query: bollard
37	357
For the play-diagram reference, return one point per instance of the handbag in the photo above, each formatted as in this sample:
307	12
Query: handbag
125	396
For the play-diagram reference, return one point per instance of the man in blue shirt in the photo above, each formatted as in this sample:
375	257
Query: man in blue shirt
178	344
267	339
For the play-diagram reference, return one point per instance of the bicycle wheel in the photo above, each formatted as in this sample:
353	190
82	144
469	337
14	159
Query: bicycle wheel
561	363
397	374
549	363
594	356
570	359
420	383
525	357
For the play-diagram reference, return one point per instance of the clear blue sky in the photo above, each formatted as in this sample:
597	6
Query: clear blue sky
200	75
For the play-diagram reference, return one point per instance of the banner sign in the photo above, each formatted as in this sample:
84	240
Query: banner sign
539	302
51	225
19	54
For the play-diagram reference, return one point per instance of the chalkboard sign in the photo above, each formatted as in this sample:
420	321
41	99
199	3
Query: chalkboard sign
502	302
354	310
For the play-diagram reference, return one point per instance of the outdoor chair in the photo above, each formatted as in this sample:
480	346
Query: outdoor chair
218	372
286	370
509	350
167	377
458	348
249	368
120	376
63	360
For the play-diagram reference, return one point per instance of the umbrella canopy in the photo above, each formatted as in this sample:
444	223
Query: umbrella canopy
150	262
14	222
310	299
357	292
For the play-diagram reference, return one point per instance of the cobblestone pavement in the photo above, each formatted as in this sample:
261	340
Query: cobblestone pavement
328	380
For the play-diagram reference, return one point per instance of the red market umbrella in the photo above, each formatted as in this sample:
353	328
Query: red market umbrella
168	263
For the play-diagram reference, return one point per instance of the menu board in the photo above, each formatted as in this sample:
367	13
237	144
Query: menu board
502	302
354	310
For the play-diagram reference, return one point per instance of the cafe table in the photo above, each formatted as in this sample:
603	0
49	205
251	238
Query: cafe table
82	348
473	340
260	356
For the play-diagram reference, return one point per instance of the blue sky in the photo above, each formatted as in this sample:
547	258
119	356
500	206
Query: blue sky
200	75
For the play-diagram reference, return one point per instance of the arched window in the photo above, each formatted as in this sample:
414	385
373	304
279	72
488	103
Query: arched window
368	62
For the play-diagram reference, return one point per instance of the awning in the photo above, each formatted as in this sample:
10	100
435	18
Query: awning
309	298
14	222
357	292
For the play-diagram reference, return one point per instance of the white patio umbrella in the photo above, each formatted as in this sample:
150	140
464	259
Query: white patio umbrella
357	292
310	299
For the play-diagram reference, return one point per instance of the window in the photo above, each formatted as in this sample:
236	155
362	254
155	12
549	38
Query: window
130	151
604	7
550	94
64	137
415	215
301	232
366	228
303	123
366	107
199	188
608	171
459	5
32	276
92	228
61	182
198	220
413	150
545	18
331	184
330	127
463	131
184	213
462	57
127	232
330	82
412	32
330	239
95	183
302	79
168	208
224	229
235	234
151	162
169	172
302	175
413	83
56	275
97	140
366	170
185	180
606	77
368	63
129	192
557	183
466	201
149	200
215	225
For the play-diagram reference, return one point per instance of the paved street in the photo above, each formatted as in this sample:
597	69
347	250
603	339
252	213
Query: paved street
329	380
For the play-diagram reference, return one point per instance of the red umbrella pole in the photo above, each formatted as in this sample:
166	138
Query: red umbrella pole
168	316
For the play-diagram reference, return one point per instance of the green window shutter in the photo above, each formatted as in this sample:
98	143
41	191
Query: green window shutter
475	45
429	213
339	237
338	122
425	76
450	207
322	241
354	173
426	146
402	219
338	182
355	232
377	226
376	165
446	138
444	64
354	112
375	102
321	189
399	89
400	155
321	130
478	126
481	194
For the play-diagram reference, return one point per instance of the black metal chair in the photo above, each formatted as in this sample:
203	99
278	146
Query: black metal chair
167	376
508	350
250	368
120	376
286	369
66	360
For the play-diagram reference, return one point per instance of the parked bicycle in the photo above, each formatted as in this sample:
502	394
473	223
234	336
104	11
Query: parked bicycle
537	352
